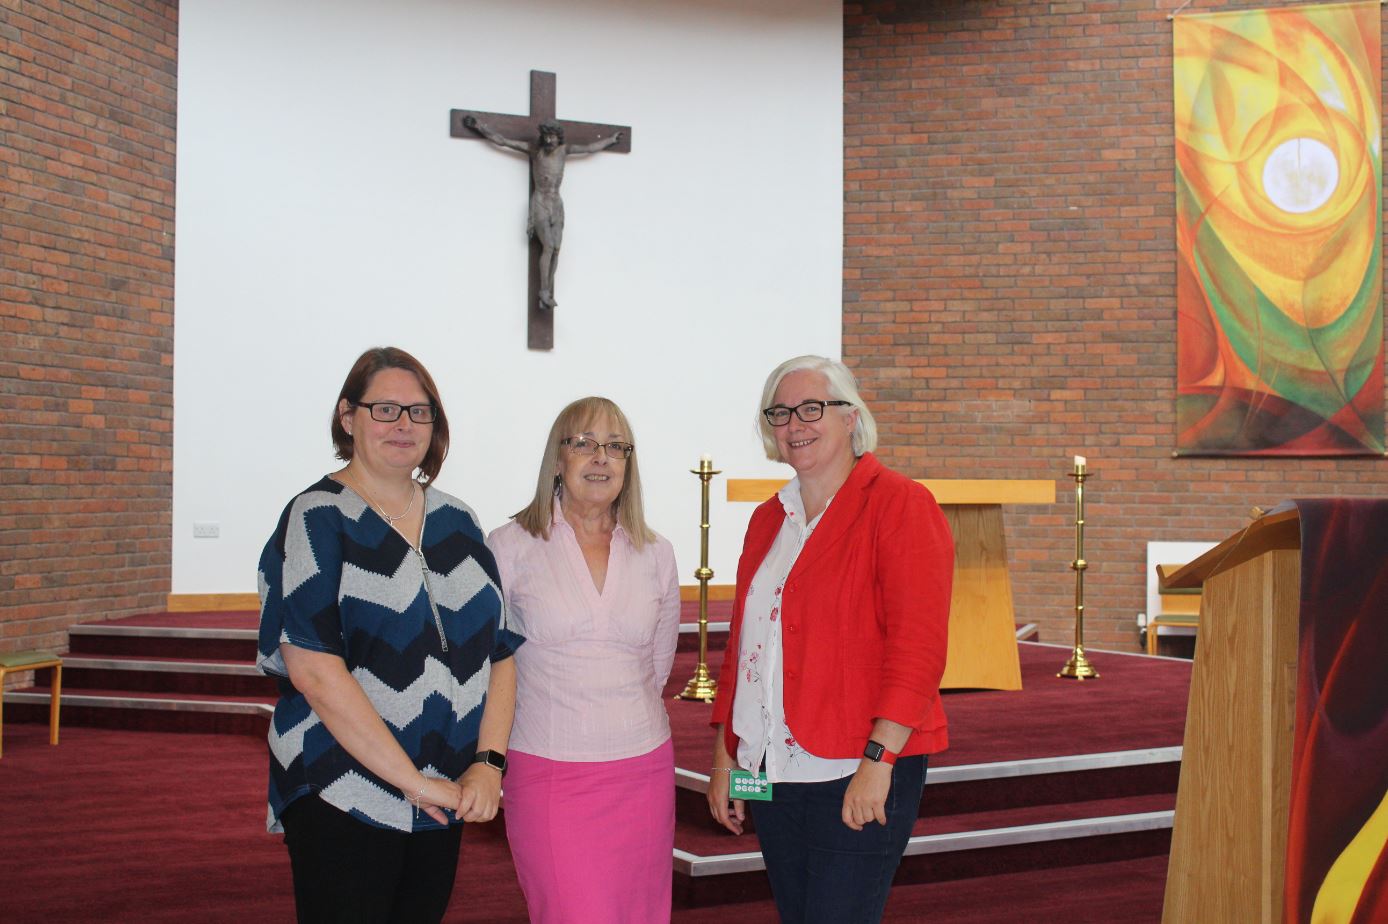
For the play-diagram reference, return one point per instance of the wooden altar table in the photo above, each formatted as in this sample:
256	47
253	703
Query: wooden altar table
982	624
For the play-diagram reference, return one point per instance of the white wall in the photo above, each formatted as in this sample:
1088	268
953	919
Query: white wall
323	208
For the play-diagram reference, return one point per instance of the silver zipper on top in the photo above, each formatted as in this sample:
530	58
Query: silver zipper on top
429	595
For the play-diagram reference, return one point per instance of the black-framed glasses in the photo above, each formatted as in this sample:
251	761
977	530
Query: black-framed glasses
584	446
778	415
389	411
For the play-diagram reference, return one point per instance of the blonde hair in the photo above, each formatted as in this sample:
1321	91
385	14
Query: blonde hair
627	509
842	387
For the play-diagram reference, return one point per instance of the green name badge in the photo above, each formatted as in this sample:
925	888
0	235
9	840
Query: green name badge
744	785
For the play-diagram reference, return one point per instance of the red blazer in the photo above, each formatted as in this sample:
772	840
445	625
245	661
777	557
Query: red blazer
864	616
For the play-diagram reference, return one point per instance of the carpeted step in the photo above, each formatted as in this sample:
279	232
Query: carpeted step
1008	785
704	838
1011	786
166	675
689	637
1124	889
148	636
159	672
142	710
232	636
718	611
1140	703
1043	838
199	619
1058	775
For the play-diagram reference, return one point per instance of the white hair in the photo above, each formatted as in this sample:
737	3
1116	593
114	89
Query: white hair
842	387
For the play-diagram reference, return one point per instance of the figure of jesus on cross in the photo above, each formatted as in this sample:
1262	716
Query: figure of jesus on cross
546	141
547	154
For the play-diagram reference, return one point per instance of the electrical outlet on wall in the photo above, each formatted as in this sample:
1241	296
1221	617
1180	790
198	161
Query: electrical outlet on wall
207	530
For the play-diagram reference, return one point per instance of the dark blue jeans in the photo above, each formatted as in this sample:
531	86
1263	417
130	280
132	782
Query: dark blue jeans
821	870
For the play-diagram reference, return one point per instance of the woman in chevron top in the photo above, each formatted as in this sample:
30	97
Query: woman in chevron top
590	801
382	619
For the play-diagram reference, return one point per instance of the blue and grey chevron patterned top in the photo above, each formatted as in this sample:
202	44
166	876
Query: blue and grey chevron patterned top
418	633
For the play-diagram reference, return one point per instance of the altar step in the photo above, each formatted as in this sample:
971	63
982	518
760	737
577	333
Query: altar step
974	821
192	672
1055	777
940	859
187	672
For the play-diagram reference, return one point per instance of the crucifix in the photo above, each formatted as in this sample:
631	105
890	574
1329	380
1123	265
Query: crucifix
547	142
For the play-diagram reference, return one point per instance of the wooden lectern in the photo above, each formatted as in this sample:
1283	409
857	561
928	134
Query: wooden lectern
1229	843
982	626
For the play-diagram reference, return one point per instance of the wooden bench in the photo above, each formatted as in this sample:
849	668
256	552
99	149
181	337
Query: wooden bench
33	661
1180	608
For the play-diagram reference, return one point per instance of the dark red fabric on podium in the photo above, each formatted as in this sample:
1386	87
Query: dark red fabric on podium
1340	751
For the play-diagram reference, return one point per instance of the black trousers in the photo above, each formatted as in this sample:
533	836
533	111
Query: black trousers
349	871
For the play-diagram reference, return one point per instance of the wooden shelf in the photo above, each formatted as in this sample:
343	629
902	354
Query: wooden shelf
946	490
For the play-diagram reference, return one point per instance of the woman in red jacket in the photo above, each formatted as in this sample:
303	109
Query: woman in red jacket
829	690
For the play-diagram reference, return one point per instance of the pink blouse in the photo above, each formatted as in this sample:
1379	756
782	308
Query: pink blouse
590	674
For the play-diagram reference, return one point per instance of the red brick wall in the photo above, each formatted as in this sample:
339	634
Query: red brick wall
1009	284
87	113
1008	293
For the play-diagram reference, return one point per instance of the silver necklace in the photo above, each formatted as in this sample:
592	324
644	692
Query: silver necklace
390	520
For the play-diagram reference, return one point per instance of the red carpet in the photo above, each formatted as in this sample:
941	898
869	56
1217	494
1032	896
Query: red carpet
152	827
137	826
120	825
1137	702
143	826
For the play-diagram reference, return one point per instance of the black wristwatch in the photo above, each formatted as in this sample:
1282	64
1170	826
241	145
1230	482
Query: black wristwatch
494	759
877	752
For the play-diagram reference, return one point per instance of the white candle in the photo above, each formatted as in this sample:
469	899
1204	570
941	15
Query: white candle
705	460
1079	461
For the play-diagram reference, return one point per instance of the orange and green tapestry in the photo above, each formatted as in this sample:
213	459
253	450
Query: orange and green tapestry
1279	232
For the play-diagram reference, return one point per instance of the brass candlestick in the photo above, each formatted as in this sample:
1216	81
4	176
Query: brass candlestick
1078	667
701	686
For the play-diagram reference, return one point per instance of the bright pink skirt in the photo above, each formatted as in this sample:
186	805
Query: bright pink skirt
593	842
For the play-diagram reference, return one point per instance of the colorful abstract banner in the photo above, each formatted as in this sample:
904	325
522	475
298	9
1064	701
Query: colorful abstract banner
1279	232
1337	833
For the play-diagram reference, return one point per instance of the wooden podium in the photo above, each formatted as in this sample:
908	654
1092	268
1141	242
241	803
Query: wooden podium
982	624
1229	843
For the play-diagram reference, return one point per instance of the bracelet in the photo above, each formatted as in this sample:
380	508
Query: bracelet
414	800
724	769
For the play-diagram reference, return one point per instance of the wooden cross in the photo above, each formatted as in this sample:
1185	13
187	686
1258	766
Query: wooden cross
541	327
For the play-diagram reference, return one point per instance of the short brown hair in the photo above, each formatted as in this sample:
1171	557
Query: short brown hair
628	508
354	389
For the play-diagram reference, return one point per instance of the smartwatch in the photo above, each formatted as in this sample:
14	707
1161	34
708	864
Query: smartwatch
494	759
877	752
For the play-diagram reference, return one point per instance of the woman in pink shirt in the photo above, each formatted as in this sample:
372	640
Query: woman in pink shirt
589	806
